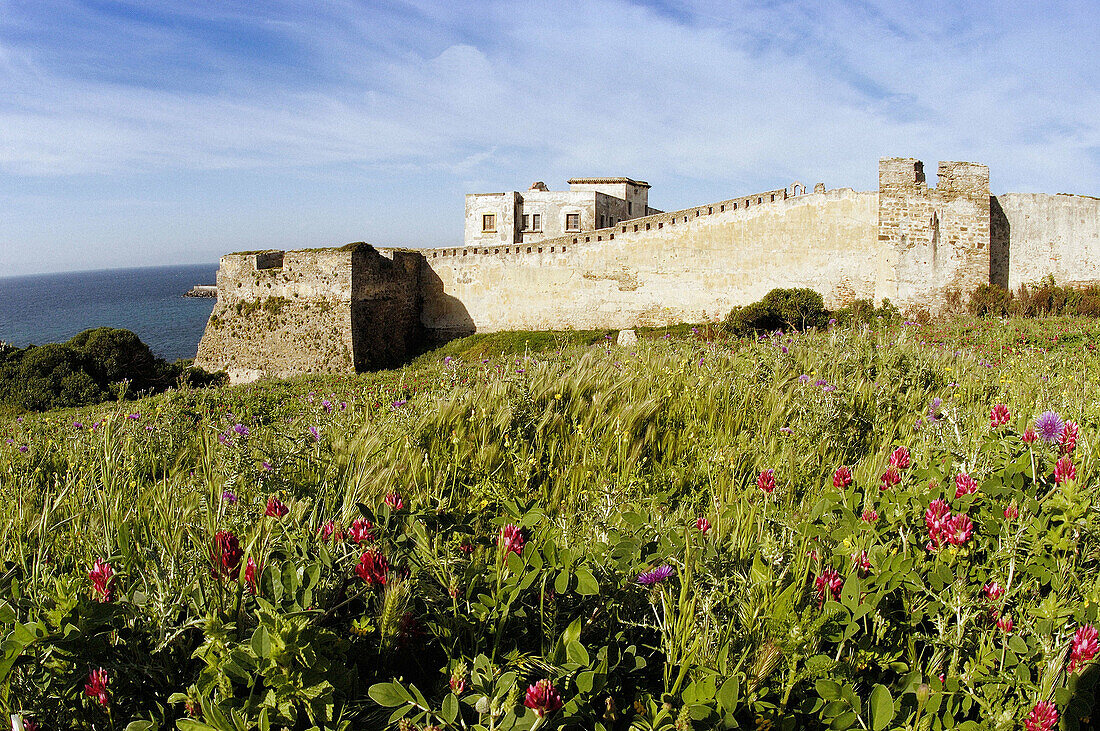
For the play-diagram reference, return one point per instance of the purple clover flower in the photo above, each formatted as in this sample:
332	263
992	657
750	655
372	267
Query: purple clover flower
399	404
327	406
821	382
77	425
135	417
228	497
1049	427
241	429
805	378
316	434
655	576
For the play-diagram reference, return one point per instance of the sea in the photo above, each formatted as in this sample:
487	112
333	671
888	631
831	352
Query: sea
51	308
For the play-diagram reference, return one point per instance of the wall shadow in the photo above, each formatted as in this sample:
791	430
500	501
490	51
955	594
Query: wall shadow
999	250
442	317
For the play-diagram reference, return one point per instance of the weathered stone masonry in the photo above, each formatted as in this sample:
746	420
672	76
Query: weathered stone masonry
359	308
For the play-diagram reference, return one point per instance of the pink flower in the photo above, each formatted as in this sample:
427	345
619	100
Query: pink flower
961	530
965	485
226	555
1069	437
1005	624
999	416
275	508
1012	512
372	569
1029	435
703	525
766	480
101	576
900	458
1043	717
937	519
830	581
458	683
328	531
842	478
96	687
861	563
1083	647
542	698
361	530
890	478
251	578
993	591
1064	470
511	539
394	501
869	516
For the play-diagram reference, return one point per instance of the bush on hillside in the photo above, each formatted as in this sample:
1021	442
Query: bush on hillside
94	366
1035	300
780	309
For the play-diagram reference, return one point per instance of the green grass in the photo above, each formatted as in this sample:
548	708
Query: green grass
605	458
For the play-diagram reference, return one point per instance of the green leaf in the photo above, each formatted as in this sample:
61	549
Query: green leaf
576	653
140	726
828	689
882	708
561	583
389	694
585	681
729	695
261	642
586	582
450	708
190	724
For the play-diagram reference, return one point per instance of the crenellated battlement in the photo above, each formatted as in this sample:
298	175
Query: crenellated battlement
356	307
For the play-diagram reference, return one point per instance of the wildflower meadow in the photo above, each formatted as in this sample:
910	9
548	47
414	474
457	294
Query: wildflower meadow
888	527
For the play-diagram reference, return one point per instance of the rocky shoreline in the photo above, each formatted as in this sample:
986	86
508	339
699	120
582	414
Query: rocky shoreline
203	290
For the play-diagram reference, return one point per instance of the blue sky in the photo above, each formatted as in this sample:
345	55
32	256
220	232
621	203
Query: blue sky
142	132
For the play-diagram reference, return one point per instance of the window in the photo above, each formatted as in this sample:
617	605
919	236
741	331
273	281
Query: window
526	222
572	222
488	223
629	208
601	220
536	221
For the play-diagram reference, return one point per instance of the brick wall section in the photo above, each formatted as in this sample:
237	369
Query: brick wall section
935	241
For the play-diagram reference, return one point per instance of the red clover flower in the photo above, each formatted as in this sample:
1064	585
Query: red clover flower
1064	470
96	687
842	478
900	458
703	525
1083	647
830	581
372	569
766	480
542	698
101	576
1043	717
965	485
999	416
361	530
511	539
275	508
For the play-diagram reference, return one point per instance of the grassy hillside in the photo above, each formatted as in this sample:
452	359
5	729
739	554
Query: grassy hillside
854	528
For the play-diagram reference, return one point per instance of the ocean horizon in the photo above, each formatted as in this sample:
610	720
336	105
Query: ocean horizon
36	309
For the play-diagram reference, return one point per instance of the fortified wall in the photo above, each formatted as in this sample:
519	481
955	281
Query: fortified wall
360	308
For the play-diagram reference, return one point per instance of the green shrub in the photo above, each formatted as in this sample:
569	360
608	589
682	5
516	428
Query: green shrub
990	300
781	309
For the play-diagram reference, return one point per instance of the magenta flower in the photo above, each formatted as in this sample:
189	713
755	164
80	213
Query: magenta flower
965	485
101	576
842	478
1043	717
1049	427
961	530
511	539
1069	437
225	558
890	478
766	481
999	416
372	569
542	698
1005	624
251	576
869	516
275	508
900	458
394	501
241	430
361	530
1029	436
1064	470
993	591
96	687
315	434
655	576
1083	646
1012	512
703	525
830	581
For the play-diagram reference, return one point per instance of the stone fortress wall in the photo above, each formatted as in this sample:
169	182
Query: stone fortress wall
358	307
